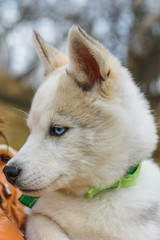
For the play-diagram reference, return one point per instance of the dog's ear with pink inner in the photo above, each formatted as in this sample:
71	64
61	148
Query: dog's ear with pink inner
86	58
51	57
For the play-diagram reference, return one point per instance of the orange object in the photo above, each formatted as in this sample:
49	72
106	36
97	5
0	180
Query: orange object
12	215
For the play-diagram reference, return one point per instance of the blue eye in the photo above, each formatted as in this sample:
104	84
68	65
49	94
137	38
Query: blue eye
57	130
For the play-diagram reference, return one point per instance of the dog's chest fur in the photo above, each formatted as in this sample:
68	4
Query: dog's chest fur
112	214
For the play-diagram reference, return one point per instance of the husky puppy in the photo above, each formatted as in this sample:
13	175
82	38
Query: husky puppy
89	126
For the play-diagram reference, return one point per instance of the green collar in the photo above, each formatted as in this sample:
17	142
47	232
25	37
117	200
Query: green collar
28	201
128	180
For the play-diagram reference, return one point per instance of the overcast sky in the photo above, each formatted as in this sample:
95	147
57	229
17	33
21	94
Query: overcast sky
112	31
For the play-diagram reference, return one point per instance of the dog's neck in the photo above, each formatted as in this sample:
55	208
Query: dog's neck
127	181
79	188
76	188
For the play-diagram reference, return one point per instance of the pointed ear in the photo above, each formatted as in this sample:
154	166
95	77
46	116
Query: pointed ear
51	57
86	58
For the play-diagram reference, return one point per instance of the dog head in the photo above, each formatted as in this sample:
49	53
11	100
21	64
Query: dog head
89	123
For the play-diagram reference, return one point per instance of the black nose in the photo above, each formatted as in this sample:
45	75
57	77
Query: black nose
11	173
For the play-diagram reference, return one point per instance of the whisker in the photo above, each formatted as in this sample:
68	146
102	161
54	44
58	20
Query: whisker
21	111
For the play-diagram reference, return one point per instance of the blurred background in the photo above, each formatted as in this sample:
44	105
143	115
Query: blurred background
130	29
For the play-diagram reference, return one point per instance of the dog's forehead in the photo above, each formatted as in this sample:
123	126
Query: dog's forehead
58	95
46	93
44	98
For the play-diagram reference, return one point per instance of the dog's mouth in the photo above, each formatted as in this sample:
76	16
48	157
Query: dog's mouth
32	190
39	190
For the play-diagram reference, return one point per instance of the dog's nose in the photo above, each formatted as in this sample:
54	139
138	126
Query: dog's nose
11	173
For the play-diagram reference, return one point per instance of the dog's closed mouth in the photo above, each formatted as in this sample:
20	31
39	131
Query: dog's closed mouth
39	189
31	190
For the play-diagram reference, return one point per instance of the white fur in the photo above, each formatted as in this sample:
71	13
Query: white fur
110	131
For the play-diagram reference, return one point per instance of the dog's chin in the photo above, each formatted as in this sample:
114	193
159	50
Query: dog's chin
40	191
52	187
34	193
